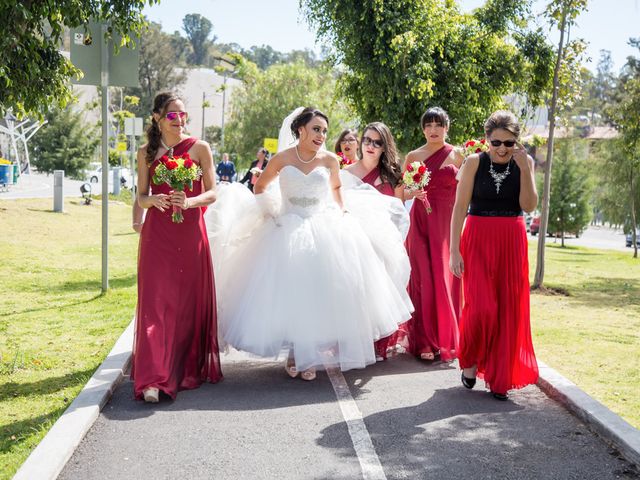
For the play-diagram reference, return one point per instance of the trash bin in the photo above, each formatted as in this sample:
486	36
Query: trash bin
16	172
6	174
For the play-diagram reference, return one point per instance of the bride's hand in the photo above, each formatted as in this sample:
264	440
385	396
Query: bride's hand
160	201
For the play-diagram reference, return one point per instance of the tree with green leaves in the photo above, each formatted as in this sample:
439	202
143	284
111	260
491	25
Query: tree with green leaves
266	98
624	112
157	69
66	143
562	13
34	74
401	56
199	32
571	187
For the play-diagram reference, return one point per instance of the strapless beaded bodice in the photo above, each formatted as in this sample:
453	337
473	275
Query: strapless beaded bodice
305	195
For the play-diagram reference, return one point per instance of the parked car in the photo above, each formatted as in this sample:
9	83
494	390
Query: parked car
629	238
94	175
534	228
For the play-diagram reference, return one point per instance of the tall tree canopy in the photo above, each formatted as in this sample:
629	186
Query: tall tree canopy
34	74
198	30
402	56
267	97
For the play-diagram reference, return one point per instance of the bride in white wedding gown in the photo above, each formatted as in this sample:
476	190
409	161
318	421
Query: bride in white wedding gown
305	267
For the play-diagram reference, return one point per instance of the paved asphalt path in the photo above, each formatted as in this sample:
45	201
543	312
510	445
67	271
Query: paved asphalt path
259	424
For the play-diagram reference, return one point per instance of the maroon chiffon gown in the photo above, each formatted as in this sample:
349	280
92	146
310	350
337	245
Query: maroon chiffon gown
400	336
434	290
176	342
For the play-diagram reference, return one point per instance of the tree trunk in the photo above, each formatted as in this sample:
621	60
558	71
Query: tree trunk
634	222
544	215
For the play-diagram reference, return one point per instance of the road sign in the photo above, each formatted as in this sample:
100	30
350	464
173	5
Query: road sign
86	51
271	144
133	126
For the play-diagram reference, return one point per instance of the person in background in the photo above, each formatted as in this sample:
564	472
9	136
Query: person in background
347	145
226	170
257	166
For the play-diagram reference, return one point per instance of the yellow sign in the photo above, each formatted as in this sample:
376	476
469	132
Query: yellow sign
271	144
121	146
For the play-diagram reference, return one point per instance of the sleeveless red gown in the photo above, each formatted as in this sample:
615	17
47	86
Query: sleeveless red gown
400	336
176	341
433	289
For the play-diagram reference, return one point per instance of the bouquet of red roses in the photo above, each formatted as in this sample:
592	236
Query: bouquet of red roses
416	177
179	173
344	161
474	146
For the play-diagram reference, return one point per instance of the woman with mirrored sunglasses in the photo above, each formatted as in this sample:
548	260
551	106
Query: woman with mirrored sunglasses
434	291
176	341
491	256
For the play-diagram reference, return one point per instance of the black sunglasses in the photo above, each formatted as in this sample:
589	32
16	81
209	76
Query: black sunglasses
507	143
370	141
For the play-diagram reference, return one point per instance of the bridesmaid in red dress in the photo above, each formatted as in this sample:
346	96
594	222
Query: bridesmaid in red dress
434	291
380	167
176	341
492	259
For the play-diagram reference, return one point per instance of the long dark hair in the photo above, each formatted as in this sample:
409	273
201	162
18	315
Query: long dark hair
389	165
304	117
154	136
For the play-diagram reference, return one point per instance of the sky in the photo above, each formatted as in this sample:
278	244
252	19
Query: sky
608	24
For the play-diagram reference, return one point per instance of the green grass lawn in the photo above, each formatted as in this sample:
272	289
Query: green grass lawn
56	327
592	334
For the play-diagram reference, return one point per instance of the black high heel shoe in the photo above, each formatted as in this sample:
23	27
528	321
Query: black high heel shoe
467	382
500	396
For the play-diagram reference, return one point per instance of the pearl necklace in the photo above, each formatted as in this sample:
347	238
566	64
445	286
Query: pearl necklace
498	178
305	161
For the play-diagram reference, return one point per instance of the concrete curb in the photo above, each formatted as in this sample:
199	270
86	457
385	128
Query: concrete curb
603	421
52	453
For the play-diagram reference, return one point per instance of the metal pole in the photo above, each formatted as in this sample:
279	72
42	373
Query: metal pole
202	136
105	157
132	165
58	190
224	103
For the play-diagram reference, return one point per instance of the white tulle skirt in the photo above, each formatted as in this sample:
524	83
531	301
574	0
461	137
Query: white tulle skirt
325	286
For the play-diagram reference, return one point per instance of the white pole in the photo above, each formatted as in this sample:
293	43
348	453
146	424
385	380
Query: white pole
105	158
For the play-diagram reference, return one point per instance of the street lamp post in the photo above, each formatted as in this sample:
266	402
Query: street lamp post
204	105
231	66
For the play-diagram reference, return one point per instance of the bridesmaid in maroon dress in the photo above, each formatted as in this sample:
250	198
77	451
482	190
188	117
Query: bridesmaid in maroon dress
380	167
434	291
176	341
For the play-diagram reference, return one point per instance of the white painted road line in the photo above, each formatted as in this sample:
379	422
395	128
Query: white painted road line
367	456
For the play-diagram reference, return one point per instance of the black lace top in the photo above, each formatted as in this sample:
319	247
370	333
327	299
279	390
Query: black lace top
486	200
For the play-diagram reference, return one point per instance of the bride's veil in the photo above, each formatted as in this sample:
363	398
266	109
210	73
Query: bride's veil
285	137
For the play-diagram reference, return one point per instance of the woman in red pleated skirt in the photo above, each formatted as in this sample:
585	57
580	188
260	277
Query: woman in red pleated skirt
491	257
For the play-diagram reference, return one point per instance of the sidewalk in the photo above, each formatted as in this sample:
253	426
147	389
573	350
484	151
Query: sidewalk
421	423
